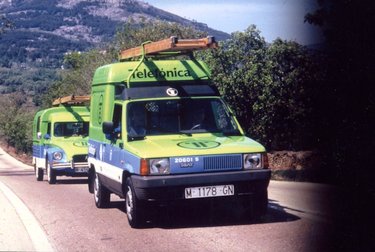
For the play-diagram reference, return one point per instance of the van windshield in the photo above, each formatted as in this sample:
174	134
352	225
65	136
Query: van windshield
179	116
69	129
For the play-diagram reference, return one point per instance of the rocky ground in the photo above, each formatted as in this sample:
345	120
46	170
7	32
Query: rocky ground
295	165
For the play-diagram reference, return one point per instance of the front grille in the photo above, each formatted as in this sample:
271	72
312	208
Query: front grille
79	158
216	163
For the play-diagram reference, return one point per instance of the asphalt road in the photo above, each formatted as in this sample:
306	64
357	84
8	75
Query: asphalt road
301	217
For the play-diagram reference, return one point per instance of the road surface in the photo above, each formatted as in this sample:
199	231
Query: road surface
36	216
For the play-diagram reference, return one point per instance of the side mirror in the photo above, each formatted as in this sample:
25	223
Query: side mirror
47	136
39	135
107	127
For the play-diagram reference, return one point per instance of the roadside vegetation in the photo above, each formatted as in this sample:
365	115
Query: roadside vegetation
285	95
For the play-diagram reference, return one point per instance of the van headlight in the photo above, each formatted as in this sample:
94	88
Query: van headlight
252	161
159	166
57	155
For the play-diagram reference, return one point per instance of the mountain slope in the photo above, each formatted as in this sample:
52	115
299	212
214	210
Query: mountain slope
45	30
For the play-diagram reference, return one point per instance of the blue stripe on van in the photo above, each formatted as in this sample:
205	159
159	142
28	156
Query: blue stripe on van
114	156
38	151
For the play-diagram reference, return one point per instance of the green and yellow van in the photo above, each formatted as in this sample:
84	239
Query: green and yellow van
160	133
60	136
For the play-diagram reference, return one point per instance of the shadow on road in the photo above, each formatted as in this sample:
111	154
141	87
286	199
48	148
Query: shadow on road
278	213
11	173
71	181
208	215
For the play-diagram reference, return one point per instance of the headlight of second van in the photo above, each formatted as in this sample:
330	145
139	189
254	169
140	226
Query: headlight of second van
57	155
159	166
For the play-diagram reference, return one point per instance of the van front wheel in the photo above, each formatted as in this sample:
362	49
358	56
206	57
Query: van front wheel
133	212
51	175
101	193
38	173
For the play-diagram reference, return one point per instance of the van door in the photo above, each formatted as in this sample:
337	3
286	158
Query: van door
113	153
37	142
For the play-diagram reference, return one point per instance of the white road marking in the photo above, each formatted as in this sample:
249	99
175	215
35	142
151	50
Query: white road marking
36	233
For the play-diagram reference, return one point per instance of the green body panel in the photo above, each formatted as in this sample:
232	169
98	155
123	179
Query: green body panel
74	145
151	71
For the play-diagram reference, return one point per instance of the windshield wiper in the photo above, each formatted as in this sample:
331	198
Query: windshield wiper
185	132
231	133
136	137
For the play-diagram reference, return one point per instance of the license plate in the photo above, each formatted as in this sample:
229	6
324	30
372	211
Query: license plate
209	191
81	169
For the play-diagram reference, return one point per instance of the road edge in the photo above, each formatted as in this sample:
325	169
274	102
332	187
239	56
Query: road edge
36	233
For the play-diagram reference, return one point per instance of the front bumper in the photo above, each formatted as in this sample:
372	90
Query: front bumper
172	187
71	169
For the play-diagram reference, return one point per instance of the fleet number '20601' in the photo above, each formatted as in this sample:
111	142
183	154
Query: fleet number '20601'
209	191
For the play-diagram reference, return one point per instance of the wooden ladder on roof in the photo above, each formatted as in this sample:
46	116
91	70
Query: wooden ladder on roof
172	44
71	100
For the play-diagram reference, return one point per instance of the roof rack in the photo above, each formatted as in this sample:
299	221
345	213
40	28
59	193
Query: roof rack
172	44
71	100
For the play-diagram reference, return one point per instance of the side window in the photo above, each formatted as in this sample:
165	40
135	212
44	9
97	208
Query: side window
117	115
49	128
37	130
137	118
223	120
38	124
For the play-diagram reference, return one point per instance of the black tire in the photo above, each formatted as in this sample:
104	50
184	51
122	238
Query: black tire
91	180
51	174
38	173
133	210
101	194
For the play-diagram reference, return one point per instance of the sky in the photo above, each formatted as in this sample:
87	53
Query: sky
274	18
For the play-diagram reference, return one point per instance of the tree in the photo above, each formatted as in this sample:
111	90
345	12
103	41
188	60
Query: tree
285	106
15	126
347	111
239	69
267	86
347	108
77	77
132	34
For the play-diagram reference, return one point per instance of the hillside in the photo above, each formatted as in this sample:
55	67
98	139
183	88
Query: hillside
45	30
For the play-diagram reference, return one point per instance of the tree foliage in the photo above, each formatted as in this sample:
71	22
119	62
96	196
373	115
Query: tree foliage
33	82
347	106
76	78
15	126
347	102
269	86
132	34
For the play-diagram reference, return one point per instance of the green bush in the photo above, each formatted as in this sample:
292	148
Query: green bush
269	87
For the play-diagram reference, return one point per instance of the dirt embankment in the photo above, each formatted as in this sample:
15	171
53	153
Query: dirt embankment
293	160
24	158
295	165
